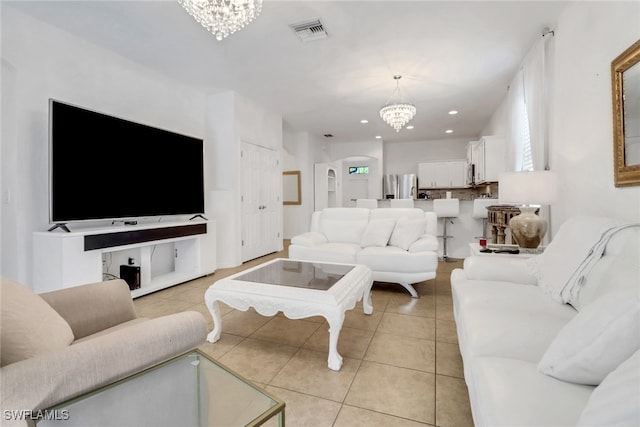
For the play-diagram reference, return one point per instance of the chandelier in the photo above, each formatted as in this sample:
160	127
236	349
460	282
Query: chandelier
223	17
396	113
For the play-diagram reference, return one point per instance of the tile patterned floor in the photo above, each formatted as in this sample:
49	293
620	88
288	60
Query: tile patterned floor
402	364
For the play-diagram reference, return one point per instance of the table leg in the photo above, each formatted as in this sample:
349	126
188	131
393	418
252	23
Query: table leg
366	299
335	325
214	309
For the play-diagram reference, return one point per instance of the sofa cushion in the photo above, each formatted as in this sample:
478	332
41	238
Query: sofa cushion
618	269
378	232
510	392
426	242
406	232
328	252
506	319
344	225
596	340
29	327
574	250
397	213
392	258
310	238
616	401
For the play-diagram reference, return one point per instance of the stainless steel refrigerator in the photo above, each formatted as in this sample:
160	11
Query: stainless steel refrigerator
390	186
408	186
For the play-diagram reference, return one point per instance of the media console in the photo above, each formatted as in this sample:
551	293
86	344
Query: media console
63	260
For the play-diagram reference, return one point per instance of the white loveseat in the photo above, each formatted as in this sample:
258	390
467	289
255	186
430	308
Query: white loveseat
398	244
554	340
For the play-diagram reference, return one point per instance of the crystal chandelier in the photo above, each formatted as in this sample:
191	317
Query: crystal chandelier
397	113
223	17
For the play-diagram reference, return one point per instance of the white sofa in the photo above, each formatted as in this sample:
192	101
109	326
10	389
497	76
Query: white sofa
554	340
398	244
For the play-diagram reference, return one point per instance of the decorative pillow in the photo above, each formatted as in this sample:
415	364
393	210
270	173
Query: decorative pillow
29	326
378	232
406	232
596	340
615	401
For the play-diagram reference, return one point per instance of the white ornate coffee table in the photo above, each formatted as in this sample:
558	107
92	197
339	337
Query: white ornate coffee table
298	289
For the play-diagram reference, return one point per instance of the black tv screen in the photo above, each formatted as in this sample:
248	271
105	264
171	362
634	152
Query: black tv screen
104	167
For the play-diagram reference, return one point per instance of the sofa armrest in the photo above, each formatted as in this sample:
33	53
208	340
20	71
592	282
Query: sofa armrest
426	242
309	239
52	378
503	269
93	307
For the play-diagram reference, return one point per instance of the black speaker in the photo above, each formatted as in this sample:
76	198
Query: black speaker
131	275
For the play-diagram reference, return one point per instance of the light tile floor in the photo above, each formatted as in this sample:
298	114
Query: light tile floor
401	367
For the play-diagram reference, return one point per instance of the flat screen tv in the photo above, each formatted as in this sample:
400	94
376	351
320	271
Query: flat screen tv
104	167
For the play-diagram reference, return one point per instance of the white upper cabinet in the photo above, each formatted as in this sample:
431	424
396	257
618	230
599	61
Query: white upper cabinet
488	156
445	174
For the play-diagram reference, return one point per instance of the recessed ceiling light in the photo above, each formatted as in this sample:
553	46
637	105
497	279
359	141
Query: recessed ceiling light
364	121
452	112
448	131
378	137
410	127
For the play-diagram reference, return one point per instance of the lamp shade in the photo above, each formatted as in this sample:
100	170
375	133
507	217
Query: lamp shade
528	188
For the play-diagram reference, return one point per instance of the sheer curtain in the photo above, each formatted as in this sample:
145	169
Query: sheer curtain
517	123
527	107
535	94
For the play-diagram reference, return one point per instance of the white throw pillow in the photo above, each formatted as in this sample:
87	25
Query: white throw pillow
616	401
406	232
378	232
596	340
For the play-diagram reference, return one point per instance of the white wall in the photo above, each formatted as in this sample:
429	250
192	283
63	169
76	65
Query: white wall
403	157
589	36
231	120
301	152
43	62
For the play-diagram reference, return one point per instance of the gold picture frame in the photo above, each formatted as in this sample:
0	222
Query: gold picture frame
291	193
625	84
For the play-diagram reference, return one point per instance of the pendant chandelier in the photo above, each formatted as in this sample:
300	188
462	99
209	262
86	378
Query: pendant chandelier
223	17
396	113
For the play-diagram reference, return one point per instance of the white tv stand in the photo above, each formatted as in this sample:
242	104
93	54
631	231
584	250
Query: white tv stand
63	260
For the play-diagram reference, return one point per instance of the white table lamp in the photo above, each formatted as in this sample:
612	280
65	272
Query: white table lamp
526	189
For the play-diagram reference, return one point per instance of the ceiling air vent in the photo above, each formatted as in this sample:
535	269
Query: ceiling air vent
309	31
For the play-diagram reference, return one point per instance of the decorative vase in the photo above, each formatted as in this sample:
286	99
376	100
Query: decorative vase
528	229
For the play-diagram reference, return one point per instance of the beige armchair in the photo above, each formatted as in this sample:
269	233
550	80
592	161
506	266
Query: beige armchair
61	344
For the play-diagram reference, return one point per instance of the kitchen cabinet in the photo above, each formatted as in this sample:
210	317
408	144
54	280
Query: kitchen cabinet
443	174
488	155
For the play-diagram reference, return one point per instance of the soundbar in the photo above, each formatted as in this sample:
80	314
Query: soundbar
122	238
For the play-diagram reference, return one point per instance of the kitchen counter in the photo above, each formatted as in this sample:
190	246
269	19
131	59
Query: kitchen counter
464	230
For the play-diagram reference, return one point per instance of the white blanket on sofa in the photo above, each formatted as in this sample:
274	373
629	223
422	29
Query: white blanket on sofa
578	245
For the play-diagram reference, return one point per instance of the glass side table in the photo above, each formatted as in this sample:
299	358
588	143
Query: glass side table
189	390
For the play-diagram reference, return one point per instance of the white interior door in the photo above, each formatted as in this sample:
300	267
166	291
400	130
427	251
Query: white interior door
261	201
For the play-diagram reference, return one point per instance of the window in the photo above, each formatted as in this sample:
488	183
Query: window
520	128
527	157
356	170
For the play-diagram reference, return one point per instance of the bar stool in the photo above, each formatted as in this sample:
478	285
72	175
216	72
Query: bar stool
480	212
401	203
446	209
366	203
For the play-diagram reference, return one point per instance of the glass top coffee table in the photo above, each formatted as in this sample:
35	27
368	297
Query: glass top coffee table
298	289
189	390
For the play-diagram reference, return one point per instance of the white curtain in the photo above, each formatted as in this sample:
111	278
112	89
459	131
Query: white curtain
535	94
527	102
515	119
